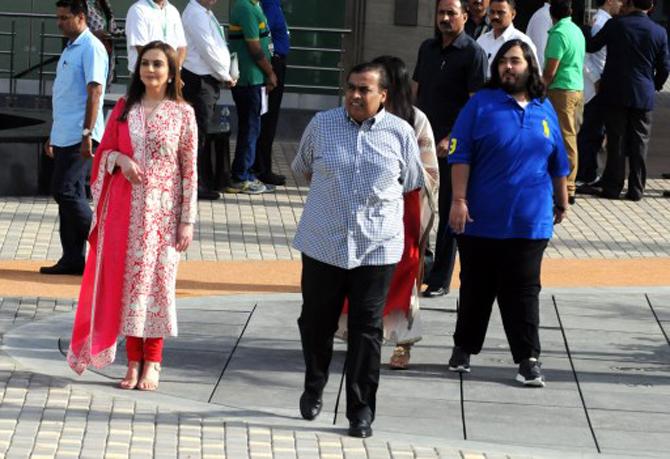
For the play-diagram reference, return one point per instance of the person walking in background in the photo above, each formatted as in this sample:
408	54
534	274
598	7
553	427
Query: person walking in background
501	15
360	160
563	75
281	47
478	21
508	173
101	22
592	132
402	320
538	30
636	66
250	39
150	20
144	190
78	92
205	70
449	68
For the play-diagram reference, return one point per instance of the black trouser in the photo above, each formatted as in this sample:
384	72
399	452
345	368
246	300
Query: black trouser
68	189
324	288
202	92
445	246
506	269
263	163
589	141
628	132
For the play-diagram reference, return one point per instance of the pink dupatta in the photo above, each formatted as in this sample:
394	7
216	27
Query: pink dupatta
98	317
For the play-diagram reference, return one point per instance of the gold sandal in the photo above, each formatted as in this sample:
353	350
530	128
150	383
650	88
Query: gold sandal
128	383
400	358
146	383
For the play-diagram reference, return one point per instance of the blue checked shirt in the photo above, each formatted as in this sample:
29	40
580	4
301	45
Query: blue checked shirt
354	209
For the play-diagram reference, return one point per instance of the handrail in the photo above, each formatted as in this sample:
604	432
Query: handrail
44	55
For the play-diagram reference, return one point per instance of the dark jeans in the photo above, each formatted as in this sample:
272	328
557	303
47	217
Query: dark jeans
248	103
507	270
202	92
445	246
589	141
628	132
68	189
263	164
324	288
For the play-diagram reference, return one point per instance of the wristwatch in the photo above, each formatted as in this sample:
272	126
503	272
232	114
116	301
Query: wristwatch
86	132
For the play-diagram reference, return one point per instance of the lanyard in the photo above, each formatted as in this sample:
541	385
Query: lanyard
217	25
156	7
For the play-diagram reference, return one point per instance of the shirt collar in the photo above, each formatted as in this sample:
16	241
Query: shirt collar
603	13
561	23
509	33
461	40
505	96
78	40
370	121
156	7
197	5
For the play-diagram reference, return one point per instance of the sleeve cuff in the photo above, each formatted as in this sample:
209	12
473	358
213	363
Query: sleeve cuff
111	161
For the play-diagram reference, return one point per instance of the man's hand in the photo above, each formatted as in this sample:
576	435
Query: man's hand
559	214
271	82
230	83
443	148
130	169
48	149
459	215
86	147
184	236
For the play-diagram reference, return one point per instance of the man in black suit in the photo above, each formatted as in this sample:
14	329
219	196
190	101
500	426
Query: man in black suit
637	65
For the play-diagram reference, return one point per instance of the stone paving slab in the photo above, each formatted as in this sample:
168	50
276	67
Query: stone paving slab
421	411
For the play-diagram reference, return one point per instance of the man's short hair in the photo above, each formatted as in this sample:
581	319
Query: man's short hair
643	4
372	67
511	3
600	3
76	6
560	9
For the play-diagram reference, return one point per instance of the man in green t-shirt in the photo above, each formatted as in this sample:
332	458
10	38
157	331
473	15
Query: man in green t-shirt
249	37
563	64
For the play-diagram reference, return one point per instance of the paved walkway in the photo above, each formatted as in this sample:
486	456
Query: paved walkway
232	379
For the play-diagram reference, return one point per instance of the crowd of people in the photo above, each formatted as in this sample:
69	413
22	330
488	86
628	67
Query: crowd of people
494	135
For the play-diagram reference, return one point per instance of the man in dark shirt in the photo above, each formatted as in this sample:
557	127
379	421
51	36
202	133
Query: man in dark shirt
637	64
449	68
478	21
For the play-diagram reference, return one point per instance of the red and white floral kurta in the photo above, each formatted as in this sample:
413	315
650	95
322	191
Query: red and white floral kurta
164	146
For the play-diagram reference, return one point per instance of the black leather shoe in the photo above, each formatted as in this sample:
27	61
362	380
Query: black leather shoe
666	194
208	195
360	429
608	195
633	197
432	292
273	179
572	200
310	406
62	269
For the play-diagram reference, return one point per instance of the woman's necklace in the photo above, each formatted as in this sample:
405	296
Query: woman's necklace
149	108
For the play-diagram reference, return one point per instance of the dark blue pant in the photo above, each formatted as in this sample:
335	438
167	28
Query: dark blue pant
68	189
263	164
248	103
445	246
590	141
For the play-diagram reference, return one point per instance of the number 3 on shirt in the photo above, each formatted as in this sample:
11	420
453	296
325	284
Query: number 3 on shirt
452	146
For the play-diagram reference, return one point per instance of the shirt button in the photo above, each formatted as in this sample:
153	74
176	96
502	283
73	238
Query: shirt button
358	171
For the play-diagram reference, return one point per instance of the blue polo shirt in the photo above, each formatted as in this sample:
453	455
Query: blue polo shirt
513	153
83	61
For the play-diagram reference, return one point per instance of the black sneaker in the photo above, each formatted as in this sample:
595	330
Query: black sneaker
459	361
530	373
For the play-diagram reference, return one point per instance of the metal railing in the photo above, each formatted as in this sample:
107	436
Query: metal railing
46	56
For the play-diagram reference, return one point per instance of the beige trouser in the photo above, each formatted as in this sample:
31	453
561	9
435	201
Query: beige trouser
569	106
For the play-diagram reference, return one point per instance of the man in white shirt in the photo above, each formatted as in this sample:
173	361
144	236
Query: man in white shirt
538	30
205	69
150	20
501	15
592	133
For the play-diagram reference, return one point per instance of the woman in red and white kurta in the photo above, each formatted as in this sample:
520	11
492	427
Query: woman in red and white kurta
144	188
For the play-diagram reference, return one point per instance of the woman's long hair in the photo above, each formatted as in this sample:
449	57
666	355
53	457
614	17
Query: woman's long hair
137	89
399	95
535	86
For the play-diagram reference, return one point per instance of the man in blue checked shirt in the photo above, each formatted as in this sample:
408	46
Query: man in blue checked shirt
360	160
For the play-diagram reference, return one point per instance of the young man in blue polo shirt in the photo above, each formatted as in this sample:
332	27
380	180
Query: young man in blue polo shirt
78	122
509	168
